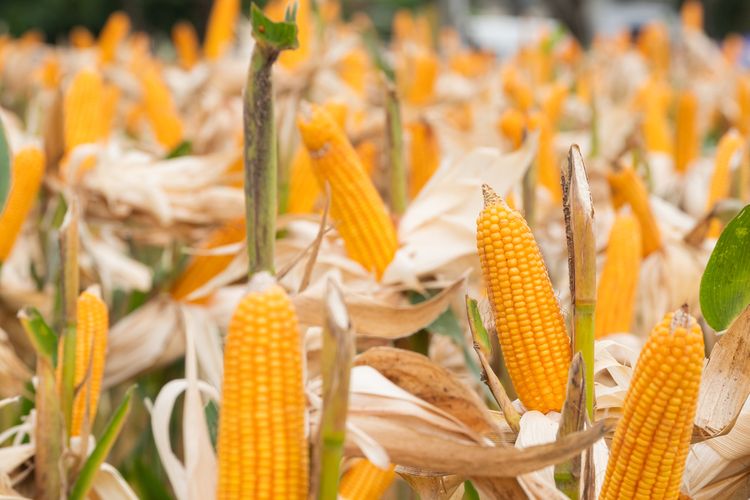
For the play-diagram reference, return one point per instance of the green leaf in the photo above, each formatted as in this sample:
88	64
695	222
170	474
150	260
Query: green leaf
182	149
725	286
106	441
277	36
481	336
212	421
5	175
42	337
470	493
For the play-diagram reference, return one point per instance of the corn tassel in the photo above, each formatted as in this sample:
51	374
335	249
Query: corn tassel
220	30
186	44
424	156
262	447
160	110
627	187
686	135
356	207
729	145
548	169
615	296
91	347
365	481
26	178
530	324
82	108
512	126
203	268
113	33
81	38
652	440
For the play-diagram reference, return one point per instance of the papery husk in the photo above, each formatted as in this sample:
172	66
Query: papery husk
13	372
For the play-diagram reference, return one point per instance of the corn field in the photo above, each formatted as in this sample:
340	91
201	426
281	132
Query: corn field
292	260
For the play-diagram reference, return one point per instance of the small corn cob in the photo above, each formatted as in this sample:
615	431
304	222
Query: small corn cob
356	207
403	27
203	268
26	178
728	146
82	109
113	33
652	440
471	64
627	187
365	481
81	38
530	324
686	142
160	110
424	156
691	15
220	30
50	72
553	103
91	347
653	43
615	296
518	91
731	48
186	44
743	102
548	169
262	447
512	126
655	126
419	77
353	69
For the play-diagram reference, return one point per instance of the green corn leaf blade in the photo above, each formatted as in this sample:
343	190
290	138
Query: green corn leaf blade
470	493
42	337
5	175
106	441
212	421
725	286
479	332
182	149
277	36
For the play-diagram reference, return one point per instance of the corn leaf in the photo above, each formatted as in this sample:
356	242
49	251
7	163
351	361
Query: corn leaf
5	176
96	459
725	286
279	36
42	337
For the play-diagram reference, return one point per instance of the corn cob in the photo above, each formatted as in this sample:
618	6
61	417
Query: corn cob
615	296
367	151
686	135
655	126
262	447
691	15
471	64
81	38
728	146
186	44
353	70
743	102
652	440
731	48
26	178
419	76
512	126
91	346
530	324
553	104
424	156
203	268
518	91
653	43
627	187
160	110
82	108
547	165
220	30
356	207
113	33
365	481
50	73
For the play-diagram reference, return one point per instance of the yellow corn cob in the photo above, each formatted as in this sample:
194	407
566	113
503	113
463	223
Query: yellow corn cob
653	43
686	142
627	187
365	481
548	170
356	207
691	15
261	443
471	64
743	102
615	296
353	69
49	73
203	268
368	155
424	156
404	26
220	30
186	44
512	126
530	325
91	347
654	98
728	146
160	110
517	90
114	32
26	177
553	103
652	440
418	76
81	38
82	108
731	48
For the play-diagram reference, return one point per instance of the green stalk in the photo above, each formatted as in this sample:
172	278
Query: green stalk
395	150
572	419
579	227
70	285
260	137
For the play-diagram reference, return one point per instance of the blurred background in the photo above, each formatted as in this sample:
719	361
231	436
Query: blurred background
491	23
